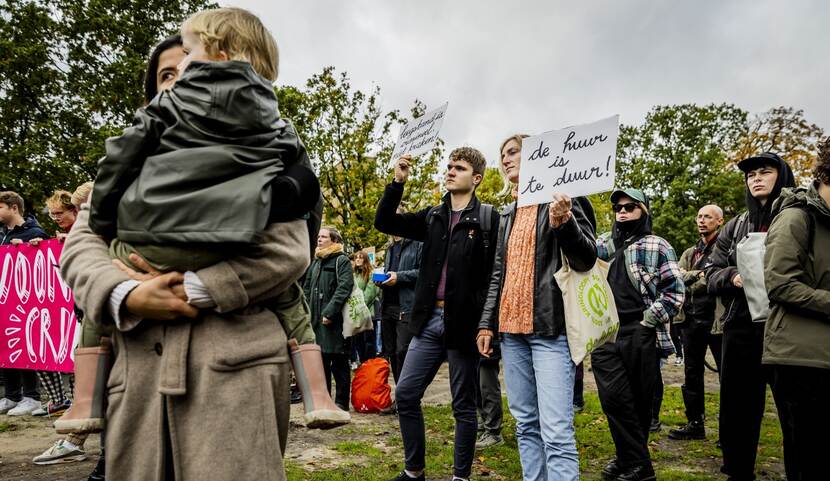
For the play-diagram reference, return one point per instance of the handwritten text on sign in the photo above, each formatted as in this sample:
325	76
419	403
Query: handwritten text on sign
419	135
576	161
37	319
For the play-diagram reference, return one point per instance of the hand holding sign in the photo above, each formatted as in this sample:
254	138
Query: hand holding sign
402	169
576	161
559	211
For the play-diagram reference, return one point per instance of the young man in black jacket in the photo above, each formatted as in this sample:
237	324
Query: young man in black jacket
22	396
743	383
458	250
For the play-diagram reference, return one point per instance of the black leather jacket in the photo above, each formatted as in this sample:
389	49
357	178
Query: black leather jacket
576	239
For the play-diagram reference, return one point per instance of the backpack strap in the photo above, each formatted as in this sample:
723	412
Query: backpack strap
739	225
485	219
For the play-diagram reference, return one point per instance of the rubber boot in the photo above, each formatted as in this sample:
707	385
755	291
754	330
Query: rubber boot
86	415
320	410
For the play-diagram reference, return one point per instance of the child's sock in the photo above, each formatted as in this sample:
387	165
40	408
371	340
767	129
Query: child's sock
70	445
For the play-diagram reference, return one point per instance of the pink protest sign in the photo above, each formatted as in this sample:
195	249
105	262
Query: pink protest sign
37	319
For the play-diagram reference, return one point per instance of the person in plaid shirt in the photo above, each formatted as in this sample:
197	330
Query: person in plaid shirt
648	291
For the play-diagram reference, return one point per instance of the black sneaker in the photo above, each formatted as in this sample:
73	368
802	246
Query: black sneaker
638	473
611	470
97	474
392	409
296	395
693	430
405	477
655	426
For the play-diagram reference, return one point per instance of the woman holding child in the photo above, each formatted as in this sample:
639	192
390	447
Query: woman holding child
189	346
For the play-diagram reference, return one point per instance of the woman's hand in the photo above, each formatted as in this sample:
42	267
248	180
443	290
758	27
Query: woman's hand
559	211
148	272
483	339
161	298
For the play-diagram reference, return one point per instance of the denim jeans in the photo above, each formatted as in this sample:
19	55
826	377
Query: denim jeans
539	376
427	352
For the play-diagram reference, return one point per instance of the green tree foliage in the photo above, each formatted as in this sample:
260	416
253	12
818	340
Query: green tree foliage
350	140
72	75
489	191
680	156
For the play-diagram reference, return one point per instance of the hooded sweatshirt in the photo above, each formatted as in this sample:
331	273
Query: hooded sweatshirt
722	266
760	216
198	163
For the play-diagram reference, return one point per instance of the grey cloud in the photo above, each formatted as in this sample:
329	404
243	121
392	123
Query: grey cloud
510	67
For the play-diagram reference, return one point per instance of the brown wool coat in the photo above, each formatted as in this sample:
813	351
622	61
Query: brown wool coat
218	383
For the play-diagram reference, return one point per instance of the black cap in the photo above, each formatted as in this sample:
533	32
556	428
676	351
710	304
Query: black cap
760	160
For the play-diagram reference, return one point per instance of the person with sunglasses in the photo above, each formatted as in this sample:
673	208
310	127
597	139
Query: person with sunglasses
648	291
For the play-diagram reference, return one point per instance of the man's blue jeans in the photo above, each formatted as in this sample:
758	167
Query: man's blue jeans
539	376
426	353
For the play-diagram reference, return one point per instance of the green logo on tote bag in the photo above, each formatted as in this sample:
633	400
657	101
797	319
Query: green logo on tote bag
593	300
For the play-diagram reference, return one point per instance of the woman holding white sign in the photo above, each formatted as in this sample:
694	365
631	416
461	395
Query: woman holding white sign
525	305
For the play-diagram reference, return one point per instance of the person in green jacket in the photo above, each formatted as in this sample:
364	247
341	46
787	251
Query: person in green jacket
328	284
797	333
363	344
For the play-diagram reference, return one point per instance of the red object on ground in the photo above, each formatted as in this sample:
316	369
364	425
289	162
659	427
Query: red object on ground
370	386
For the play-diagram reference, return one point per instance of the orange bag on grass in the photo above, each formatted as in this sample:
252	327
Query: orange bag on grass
370	386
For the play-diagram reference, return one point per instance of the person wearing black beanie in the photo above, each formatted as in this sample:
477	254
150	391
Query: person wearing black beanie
743	379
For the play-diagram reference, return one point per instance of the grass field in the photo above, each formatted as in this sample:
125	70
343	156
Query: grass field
373	452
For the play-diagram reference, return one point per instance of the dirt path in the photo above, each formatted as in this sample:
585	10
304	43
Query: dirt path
24	438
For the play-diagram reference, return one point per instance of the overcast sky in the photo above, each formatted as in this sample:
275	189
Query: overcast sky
533	66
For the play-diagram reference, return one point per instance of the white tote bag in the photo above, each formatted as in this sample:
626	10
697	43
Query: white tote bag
357	317
750	253
591	317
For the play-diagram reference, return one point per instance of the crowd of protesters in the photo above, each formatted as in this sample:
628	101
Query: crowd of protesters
461	283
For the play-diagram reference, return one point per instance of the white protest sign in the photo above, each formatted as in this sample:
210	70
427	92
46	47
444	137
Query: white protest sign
575	161
419	135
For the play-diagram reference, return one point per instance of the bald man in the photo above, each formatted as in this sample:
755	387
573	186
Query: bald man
696	322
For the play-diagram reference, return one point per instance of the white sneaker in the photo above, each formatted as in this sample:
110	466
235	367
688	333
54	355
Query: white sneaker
60	453
6	404
41	411
25	407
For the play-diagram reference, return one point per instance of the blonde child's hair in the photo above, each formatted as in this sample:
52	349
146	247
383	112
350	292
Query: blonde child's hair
81	194
240	34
